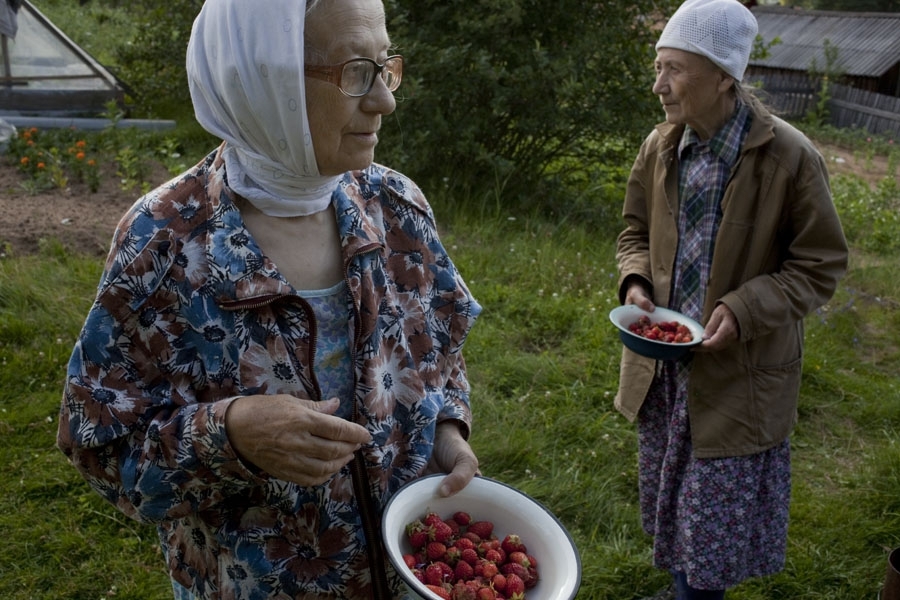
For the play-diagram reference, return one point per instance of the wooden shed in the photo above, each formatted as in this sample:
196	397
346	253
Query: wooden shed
867	46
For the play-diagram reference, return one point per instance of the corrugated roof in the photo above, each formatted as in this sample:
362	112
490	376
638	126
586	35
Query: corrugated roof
868	44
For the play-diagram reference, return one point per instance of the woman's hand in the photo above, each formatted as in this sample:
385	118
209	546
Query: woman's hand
293	439
453	455
638	295
721	330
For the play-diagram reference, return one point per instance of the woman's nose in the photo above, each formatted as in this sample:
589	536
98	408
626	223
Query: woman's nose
380	99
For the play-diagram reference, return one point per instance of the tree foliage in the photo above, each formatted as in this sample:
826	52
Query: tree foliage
502	95
509	94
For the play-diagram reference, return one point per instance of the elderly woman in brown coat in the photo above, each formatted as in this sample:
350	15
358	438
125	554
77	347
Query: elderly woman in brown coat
730	221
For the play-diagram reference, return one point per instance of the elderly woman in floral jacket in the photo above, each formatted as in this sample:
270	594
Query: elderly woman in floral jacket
275	347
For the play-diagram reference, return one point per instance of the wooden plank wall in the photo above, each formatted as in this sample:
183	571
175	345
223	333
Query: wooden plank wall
793	96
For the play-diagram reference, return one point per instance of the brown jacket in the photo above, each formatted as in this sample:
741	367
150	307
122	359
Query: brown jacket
779	254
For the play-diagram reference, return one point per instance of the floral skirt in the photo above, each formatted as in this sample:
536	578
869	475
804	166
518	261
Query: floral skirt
719	520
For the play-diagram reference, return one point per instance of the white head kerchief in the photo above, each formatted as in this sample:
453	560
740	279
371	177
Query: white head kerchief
245	72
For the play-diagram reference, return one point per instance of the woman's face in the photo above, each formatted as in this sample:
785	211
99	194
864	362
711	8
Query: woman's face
692	90
344	129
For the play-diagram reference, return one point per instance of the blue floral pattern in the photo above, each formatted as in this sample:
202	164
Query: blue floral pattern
190	314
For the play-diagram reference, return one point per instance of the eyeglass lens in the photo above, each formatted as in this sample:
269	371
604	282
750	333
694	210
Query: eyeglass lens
358	76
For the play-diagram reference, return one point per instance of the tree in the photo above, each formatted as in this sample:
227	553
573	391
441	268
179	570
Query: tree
515	94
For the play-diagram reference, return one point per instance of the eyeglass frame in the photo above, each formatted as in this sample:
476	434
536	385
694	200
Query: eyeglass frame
333	74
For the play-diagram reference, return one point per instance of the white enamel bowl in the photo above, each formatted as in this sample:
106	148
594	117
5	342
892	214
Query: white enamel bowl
559	564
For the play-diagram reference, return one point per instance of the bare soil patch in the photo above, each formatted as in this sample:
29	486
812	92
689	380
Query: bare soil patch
84	222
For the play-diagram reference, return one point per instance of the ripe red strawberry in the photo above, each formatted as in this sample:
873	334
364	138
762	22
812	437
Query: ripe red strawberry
533	561
515	569
520	558
485	593
468	555
515	587
512	543
462	591
451	556
410	560
435	550
493	555
417	534
462	518
488	568
483	529
499	582
434	574
464	542
454	527
440	532
532	578
432	518
439	590
471	536
463	571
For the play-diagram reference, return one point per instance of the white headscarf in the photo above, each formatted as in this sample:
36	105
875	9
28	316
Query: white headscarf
245	72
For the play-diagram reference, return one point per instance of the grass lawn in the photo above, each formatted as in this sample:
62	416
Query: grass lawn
543	362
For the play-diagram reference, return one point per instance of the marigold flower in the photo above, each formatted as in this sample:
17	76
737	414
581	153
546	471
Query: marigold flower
41	165
79	156
24	160
80	144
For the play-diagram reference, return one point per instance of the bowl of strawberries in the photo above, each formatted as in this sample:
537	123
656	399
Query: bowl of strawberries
490	541
662	334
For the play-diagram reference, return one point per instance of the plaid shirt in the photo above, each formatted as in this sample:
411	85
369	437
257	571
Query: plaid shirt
724	148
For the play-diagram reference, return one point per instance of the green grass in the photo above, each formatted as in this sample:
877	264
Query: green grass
543	361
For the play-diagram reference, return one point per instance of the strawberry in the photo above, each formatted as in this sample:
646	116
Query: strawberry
440	532
468	555
520	558
432	518
434	574
464	542
451	556
533	561
462	518
417	534
483	529
512	543
439	590
485	593
493	555
435	550
488	569
515	569
532	578
515	587
410	560
462	591
463	571
499	582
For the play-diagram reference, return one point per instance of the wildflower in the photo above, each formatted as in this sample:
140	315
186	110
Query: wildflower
92	163
79	156
24	161
80	144
41	165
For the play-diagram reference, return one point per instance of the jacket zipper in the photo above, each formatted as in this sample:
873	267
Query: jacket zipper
362	486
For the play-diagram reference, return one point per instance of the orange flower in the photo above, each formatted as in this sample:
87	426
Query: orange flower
92	162
24	161
79	156
80	144
40	165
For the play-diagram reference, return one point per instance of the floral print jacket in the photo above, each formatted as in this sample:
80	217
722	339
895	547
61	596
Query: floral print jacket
190	315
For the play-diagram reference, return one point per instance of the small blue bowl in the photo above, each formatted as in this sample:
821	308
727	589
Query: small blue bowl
623	316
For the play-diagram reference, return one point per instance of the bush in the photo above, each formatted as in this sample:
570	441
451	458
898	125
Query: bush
516	96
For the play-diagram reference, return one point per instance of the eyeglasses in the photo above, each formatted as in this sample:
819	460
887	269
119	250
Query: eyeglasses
357	76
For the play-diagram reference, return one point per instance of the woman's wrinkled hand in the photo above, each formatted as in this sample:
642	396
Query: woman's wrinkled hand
293	439
452	455
721	330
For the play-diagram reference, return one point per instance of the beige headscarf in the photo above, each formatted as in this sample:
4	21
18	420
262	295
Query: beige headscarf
245	72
